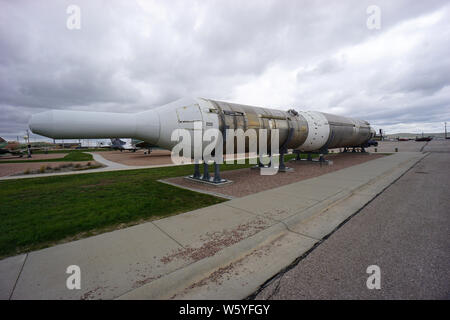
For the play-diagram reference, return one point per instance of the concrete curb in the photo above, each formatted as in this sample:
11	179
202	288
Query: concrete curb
216	194
172	283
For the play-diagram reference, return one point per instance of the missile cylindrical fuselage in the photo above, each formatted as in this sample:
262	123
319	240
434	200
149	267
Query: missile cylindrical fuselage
303	130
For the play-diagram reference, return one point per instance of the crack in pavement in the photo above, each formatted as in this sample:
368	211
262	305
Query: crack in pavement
18	276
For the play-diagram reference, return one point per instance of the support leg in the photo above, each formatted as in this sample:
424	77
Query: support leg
321	158
260	163
282	165
217	173
205	171
196	171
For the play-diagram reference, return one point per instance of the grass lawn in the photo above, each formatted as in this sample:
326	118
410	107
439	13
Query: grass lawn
39	212
70	156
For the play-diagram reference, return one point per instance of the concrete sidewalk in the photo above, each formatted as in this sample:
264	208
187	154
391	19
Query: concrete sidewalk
110	164
223	251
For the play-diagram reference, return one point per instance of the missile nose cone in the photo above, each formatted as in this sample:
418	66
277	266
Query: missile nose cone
42	123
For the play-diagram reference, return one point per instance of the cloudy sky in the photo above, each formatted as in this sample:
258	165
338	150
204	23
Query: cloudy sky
129	56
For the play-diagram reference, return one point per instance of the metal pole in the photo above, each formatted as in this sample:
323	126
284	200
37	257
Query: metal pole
217	178
445	130
28	144
196	171
260	163
205	171
282	165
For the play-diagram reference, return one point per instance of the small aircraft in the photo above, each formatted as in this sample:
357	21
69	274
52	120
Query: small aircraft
143	145
9	148
125	144
424	138
130	145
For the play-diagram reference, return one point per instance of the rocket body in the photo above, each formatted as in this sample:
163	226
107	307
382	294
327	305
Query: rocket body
303	130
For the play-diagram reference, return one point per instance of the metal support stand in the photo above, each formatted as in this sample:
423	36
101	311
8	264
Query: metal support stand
217	178
205	176
196	171
283	151
282	167
260	164
309	158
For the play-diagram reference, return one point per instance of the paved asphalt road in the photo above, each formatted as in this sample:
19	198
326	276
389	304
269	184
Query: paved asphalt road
405	231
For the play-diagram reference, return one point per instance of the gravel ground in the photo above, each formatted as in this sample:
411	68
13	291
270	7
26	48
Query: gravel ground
405	231
8	169
248	181
138	158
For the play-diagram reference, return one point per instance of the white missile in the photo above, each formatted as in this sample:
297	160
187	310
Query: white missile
303	130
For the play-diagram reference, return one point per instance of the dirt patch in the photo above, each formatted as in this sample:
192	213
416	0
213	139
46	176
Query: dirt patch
233	269
216	241
249	181
36	157
93	294
8	169
146	280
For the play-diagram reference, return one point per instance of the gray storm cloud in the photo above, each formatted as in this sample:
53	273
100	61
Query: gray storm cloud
133	55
